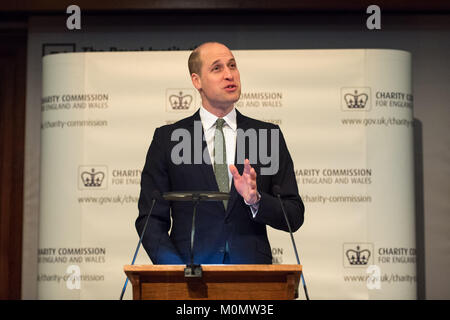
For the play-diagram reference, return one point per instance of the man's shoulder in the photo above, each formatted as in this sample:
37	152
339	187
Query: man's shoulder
255	123
182	123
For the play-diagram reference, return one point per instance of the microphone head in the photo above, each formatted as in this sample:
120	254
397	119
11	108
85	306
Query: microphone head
276	190
156	195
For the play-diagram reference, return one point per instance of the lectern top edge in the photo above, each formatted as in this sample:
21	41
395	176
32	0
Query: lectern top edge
219	267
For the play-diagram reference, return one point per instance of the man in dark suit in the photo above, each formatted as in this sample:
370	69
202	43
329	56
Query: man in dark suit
216	140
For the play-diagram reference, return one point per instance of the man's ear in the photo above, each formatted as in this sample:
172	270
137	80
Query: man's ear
196	81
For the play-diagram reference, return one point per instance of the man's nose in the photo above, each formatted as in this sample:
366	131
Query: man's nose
228	74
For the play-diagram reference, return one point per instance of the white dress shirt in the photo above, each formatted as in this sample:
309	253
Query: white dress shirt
230	132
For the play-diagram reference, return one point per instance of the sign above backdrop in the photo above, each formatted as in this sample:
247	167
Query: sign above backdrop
346	116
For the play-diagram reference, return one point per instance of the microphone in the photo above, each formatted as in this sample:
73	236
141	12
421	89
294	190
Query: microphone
155	196
276	190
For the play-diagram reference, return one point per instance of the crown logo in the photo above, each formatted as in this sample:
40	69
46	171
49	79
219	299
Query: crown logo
180	102
356	101
92	179
358	257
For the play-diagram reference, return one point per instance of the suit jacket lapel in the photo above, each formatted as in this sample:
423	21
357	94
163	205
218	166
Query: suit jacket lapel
204	169
242	124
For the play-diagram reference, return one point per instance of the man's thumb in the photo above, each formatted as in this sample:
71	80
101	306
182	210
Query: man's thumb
234	171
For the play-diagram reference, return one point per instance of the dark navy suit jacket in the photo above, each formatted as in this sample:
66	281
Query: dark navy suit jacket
233	232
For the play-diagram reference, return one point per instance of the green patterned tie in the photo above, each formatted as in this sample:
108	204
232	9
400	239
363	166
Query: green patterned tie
220	159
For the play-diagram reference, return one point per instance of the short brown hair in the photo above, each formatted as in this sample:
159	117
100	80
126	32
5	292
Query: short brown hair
194	61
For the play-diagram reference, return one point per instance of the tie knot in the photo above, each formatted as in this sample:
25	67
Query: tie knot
219	123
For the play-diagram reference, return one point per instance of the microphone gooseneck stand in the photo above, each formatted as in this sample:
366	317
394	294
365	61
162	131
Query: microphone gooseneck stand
156	195
277	191
193	270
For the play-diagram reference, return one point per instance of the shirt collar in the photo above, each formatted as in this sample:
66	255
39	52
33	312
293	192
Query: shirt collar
209	120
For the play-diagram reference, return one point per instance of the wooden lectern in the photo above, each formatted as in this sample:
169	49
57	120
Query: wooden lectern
219	282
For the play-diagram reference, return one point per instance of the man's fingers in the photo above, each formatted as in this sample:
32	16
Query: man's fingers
247	166
248	176
234	171
250	179
253	174
253	184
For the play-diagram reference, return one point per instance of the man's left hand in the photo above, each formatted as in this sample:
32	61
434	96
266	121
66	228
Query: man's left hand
246	184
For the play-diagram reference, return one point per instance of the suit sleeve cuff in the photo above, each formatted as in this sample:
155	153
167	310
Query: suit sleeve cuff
254	207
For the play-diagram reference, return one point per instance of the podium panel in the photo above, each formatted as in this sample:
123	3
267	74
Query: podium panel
219	282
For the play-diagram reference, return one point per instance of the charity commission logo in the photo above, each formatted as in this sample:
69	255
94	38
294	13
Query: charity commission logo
357	254
92	177
355	99
180	100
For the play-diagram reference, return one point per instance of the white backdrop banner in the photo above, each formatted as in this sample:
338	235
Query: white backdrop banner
347	119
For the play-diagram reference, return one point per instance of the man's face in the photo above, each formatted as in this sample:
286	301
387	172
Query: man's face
219	80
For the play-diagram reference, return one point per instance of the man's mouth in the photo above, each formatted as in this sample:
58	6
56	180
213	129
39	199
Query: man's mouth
230	88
